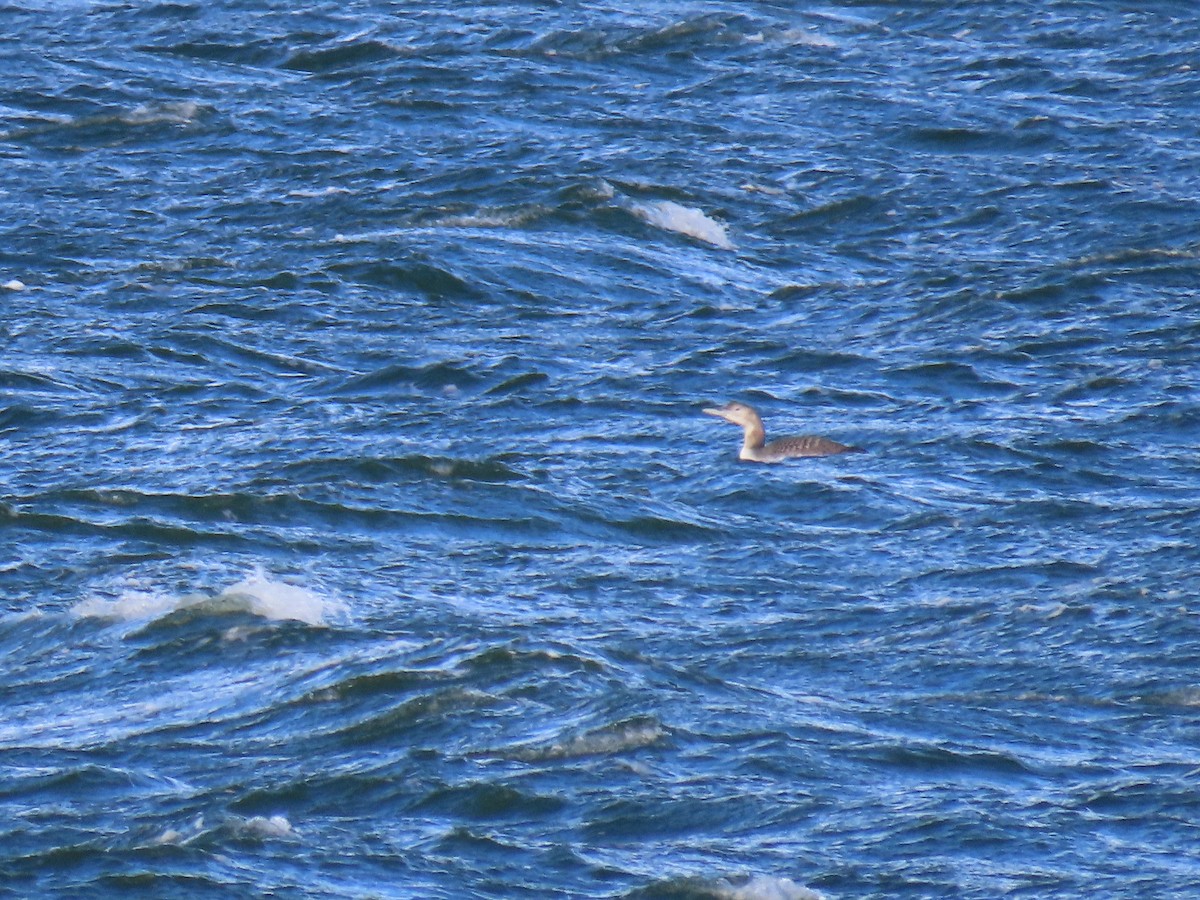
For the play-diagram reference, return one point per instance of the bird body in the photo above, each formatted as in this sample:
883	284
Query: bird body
756	448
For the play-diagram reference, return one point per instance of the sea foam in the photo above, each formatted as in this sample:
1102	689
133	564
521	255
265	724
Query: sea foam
171	112
763	887
619	737
671	216
264	827
256	594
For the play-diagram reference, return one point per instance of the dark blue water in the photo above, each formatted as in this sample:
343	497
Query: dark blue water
361	534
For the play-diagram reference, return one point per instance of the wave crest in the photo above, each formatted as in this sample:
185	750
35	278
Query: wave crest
257	594
686	220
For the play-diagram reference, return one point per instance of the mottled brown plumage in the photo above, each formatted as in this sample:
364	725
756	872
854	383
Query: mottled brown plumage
755	447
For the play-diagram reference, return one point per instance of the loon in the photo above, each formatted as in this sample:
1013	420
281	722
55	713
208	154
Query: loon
755	447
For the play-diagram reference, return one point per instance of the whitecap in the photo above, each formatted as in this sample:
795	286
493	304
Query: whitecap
619	737
602	190
514	217
266	827
763	887
794	37
256	594
177	112
806	38
14	284
131	606
177	837
671	216
313	193
277	600
365	237
755	188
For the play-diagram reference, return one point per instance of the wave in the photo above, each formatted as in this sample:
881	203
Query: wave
492	217
685	220
731	887
762	887
377	470
591	202
608	740
347	55
254	829
257	595
424	278
171	112
687	35
140	120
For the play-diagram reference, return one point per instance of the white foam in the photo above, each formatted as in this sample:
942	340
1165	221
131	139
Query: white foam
755	188
277	600
129	607
176	112
671	216
14	284
764	887
808	38
264	827
256	594
319	192
174	836
366	237
611	739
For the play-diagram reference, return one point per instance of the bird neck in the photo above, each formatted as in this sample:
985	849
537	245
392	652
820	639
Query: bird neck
754	436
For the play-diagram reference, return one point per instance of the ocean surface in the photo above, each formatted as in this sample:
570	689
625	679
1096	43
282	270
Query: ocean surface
362	535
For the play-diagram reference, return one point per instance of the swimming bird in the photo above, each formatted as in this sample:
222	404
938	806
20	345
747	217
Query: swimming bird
755	447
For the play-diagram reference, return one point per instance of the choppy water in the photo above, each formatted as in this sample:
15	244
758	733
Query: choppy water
360	533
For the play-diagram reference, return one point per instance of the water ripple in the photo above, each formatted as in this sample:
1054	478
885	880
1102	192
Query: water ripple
361	526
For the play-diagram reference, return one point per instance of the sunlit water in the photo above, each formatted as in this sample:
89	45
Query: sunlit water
360	531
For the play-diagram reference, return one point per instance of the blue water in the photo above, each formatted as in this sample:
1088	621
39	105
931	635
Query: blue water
361	534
